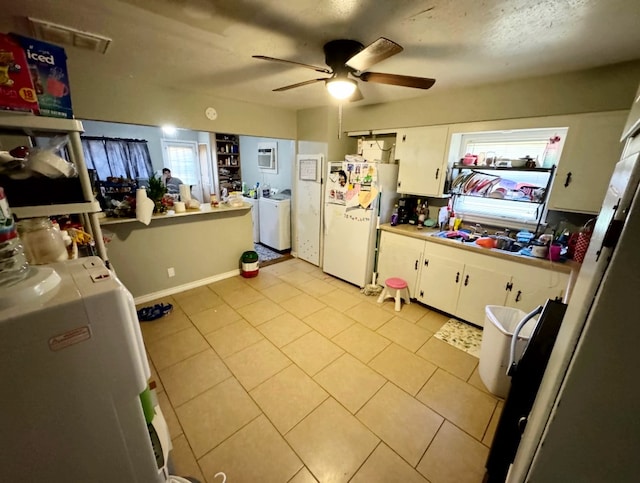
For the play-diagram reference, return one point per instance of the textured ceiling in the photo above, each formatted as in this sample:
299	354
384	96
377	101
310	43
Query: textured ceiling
206	46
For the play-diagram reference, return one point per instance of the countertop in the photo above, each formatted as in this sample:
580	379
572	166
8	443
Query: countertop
427	234
205	209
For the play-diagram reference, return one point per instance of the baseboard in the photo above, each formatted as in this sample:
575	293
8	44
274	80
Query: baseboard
187	286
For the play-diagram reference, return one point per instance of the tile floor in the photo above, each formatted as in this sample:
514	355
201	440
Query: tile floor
295	376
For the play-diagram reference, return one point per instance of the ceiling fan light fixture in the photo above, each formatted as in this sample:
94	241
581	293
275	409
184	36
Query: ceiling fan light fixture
341	88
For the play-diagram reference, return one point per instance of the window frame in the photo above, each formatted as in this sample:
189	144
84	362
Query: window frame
176	170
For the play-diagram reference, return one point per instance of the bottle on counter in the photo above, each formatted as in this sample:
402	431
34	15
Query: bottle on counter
422	214
394	215
13	262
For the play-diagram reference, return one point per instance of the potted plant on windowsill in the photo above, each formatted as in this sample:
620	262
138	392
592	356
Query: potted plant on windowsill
156	192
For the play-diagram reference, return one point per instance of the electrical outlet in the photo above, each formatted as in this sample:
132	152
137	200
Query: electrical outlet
171	272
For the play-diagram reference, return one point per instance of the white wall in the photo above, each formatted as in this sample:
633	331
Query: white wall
282	178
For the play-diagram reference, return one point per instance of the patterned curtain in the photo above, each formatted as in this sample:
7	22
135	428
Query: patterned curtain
126	158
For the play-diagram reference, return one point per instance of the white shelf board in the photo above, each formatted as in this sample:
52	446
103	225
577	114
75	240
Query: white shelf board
29	122
52	210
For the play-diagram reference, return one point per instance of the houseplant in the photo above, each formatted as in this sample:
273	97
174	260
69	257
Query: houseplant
156	192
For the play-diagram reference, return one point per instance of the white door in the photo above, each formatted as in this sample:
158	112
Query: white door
479	288
440	281
535	288
308	206
421	154
400	256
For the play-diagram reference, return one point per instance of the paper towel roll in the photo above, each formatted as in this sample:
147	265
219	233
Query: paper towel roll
185	192
179	206
144	206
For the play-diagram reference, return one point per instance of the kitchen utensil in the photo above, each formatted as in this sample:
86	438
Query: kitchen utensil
554	252
470	159
539	250
504	243
486	242
524	236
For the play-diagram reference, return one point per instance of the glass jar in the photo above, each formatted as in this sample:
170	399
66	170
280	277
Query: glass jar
42	241
13	263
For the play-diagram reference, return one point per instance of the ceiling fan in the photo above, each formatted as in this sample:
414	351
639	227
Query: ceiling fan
349	58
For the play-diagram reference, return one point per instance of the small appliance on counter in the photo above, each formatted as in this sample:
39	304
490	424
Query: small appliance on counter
406	209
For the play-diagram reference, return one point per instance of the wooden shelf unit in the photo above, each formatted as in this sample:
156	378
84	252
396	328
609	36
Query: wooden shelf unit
228	162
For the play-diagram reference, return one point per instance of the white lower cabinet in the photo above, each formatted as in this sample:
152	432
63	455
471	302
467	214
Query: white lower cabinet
463	283
400	256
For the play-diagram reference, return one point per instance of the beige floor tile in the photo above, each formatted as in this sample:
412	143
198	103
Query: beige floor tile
403	368
329	322
467	407
303	476
386	466
454	457
262	281
228	285
319	274
296	277
257	363
340	299
350	381
188	378
283	329
281	292
241	297
169	414
215	318
331	442
312	352
216	414
369	315
317	287
176	347
260	311
403	423
256	453
347	287
302	305
487	439
361	342
433	321
304	265
405	333
155	377
288	397
411	312
449	358
176	321
197	300
281	268
233	338
184	463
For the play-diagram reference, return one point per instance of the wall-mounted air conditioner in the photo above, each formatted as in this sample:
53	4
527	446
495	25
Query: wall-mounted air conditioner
268	156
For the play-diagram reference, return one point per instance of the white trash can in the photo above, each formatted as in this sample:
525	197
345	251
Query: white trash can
500	322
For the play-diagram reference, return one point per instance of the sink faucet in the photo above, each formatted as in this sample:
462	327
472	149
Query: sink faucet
478	229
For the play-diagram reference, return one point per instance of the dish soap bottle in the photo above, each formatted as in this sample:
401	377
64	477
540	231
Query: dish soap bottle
394	215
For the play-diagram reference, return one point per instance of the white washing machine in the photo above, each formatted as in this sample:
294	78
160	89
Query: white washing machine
275	222
255	218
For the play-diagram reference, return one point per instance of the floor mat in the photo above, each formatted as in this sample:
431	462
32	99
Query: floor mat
266	255
462	336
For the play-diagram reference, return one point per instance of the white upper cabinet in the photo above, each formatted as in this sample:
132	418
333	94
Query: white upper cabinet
590	152
421	152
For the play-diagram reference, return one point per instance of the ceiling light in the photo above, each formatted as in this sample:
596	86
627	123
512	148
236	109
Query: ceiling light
169	130
341	88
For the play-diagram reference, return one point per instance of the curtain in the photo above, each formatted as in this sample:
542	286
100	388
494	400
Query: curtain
127	158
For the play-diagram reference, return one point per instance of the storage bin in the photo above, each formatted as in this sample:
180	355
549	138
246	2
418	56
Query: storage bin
500	322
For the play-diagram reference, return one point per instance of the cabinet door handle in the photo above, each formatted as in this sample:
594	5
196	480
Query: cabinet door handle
509	286
457	277
404	138
567	181
421	293
399	184
416	265
518	296
437	172
466	280
426	262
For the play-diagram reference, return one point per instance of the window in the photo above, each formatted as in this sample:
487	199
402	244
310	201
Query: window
518	207
181	157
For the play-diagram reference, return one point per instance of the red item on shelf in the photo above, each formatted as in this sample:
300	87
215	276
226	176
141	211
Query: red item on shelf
16	87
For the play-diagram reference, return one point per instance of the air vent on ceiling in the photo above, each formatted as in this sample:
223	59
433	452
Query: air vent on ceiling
60	34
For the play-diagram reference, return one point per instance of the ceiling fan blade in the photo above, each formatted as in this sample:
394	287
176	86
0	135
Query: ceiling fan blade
307	66
397	80
299	84
373	53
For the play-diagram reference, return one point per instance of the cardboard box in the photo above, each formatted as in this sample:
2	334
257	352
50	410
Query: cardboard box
16	88
48	69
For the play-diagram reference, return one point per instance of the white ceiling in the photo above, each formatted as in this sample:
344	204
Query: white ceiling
206	45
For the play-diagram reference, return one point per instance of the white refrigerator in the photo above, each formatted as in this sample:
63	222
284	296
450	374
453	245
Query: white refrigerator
359	195
584	423
73	367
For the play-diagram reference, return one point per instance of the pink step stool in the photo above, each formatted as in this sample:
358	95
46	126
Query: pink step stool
395	288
